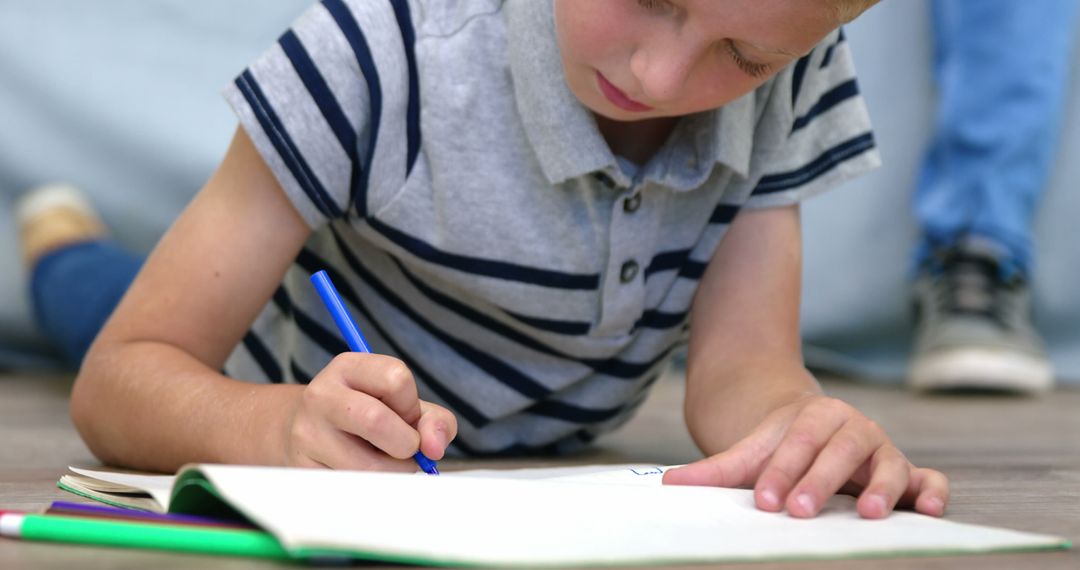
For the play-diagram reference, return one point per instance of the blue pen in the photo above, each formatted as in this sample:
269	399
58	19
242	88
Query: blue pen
355	339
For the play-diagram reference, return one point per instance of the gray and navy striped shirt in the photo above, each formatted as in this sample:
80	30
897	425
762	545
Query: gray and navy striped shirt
479	227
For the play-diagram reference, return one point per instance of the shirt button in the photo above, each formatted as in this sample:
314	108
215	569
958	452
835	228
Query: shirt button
631	204
629	271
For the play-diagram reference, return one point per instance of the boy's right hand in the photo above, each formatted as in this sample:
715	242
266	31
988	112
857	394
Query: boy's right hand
362	412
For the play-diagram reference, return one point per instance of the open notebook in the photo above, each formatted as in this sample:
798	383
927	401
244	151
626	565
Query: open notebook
576	516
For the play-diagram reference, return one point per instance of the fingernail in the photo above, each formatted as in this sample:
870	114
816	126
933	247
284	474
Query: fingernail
878	504
806	503
769	498
937	506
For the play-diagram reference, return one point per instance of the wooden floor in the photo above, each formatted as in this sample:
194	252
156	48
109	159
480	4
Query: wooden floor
1014	463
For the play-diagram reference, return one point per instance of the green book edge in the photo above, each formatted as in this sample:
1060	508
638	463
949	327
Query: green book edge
98	498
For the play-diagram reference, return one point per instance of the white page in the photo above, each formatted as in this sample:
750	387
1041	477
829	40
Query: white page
159	487
626	473
492	521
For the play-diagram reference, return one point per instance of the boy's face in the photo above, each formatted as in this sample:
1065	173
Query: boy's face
629	60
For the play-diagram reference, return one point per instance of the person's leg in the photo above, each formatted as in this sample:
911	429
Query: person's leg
77	274
75	288
1001	68
1002	72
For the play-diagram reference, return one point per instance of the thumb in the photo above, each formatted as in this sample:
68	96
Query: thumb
739	466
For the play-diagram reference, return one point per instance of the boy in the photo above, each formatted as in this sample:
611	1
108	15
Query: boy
523	203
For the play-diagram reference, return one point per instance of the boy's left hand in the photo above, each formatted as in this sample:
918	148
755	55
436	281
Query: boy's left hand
808	450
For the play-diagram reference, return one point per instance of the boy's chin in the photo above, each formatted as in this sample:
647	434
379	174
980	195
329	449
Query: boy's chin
620	116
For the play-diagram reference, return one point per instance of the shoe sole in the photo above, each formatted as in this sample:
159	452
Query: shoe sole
982	369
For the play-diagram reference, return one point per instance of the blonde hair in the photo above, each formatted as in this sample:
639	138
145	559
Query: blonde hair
848	10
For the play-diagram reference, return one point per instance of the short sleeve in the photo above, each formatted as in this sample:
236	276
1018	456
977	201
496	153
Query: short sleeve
814	132
327	105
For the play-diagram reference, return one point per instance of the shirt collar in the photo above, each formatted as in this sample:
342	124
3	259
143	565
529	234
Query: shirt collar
564	134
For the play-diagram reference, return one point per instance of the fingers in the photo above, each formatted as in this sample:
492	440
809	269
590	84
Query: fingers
373	421
806	454
359	413
437	427
889	477
928	491
382	377
339	450
737	467
804	440
848	449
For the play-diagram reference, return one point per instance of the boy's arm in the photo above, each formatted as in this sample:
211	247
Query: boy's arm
753	407
150	395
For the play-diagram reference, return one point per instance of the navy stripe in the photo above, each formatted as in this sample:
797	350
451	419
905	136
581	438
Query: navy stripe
486	267
571	413
581	436
797	75
622	369
320	92
283	301
263	357
355	36
657	319
326	339
830	99
693	270
567	412
515	450
820	165
667	261
585	437
724	214
571	328
482	320
311	263
827	58
284	145
495	368
412	117
299	375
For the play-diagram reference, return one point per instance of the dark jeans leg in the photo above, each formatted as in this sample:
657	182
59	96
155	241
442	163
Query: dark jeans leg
74	290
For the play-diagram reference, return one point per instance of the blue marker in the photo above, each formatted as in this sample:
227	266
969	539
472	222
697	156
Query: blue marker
355	339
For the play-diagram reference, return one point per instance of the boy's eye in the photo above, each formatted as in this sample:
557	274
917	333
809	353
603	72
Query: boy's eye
751	68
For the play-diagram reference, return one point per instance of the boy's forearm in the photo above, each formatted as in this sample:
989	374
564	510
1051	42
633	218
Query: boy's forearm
744	356
726	401
151	406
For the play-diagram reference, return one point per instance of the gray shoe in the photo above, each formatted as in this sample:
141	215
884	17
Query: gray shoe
974	331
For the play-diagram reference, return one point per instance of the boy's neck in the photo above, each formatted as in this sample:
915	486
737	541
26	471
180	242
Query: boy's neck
636	141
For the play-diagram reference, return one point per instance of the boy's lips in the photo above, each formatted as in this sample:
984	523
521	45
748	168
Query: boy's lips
618	98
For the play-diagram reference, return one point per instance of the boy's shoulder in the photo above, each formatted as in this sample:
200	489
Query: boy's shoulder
440	18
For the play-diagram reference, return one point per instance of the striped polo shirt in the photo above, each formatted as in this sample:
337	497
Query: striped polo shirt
479	227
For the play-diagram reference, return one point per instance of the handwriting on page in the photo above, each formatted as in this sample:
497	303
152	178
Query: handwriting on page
648	471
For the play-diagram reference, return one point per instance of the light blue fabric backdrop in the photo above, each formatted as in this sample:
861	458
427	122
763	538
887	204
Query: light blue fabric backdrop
122	97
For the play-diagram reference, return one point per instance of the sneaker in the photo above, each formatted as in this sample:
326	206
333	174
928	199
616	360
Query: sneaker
974	331
53	216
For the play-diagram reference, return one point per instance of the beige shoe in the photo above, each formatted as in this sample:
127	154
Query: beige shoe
53	216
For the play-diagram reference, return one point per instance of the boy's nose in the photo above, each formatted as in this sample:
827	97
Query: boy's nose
663	71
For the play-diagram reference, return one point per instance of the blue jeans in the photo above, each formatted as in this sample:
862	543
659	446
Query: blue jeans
1002	72
74	289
